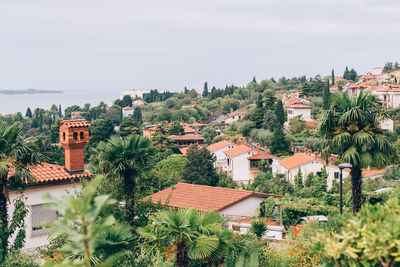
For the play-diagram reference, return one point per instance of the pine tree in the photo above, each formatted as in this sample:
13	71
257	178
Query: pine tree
279	112
28	113
326	94
333	77
346	74
279	144
353	75
200	167
269	100
298	180
186	90
205	90
254	79
260	101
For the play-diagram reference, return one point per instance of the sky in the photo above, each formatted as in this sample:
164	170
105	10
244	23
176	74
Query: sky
124	44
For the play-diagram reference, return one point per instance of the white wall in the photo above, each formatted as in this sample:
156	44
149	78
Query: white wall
34	197
127	112
240	168
311	167
305	113
248	207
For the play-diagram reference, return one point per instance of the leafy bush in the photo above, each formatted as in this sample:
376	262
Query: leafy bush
18	259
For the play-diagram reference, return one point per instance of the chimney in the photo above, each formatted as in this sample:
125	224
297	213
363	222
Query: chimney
74	136
231	110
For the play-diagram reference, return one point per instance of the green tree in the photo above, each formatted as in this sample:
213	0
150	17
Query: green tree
270	120
205	90
114	114
333	77
279	112
298	180
137	116
351	126
258	228
326	94
270	100
125	158
129	126
170	170
100	130
346	74
59	111
28	113
279	144
16	153
91	239
191	235
200	167
176	129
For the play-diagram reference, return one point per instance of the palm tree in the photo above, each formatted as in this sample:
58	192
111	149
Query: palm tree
258	228
352	129
16	155
126	158
189	234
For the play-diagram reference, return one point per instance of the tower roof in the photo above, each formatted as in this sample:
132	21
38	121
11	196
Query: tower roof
78	123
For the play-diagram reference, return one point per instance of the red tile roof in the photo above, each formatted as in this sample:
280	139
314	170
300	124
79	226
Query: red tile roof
128	108
75	123
184	150
219	145
298	105
237	112
202	197
46	172
260	156
372	172
186	137
233	152
295	161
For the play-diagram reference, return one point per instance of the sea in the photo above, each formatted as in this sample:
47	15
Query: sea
20	102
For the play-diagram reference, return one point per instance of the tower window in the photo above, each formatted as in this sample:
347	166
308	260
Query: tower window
75	136
63	136
81	135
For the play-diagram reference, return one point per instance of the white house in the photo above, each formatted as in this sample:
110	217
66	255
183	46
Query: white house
138	102
54	179
242	162
235	116
127	111
132	93
228	202
307	163
218	150
298	109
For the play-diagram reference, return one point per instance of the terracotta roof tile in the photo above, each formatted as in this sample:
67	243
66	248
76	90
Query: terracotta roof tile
219	145
372	172
75	123
295	161
260	156
233	152
202	197
237	112
186	137
298	105
184	150
46	172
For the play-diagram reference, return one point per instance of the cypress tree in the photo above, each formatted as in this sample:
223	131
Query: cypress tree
186	90
298	180
279	144
279	112
326	94
205	90
137	116
28	113
346	74
333	77
59	111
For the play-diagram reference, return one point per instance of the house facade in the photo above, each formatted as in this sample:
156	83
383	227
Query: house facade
53	179
298	109
235	116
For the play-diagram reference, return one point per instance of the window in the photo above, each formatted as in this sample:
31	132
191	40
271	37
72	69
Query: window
40	214
81	135
253	164
63	136
336	175
290	111
227	160
75	136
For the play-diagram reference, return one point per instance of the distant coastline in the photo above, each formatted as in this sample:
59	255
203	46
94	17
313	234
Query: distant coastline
29	91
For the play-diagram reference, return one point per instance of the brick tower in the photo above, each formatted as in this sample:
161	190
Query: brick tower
74	136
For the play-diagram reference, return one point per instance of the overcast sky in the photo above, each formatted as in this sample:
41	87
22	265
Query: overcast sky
169	44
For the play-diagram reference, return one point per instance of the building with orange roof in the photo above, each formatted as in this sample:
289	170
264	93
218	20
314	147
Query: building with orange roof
373	173
228	202
298	109
309	162
242	161
235	116
218	150
187	139
53	179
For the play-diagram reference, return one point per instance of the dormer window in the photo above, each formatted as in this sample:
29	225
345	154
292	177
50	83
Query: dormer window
75	136
81	135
